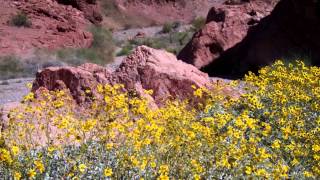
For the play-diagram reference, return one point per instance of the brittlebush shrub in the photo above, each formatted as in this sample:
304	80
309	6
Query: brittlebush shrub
270	132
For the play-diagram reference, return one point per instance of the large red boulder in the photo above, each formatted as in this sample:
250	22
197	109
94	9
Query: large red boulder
144	69
76	79
227	25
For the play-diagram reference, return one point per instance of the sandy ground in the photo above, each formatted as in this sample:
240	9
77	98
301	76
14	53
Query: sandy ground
154	31
13	90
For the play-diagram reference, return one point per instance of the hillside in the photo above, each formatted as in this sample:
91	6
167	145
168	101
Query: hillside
159	89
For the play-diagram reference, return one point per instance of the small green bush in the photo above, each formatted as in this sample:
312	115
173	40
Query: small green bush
102	38
181	37
101	51
172	50
167	28
10	66
126	50
157	43
20	20
172	42
198	23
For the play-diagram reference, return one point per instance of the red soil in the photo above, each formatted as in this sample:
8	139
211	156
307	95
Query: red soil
53	26
162	11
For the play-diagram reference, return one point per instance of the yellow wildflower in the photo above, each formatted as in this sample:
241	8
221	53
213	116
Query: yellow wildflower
316	148
15	150
153	164
39	166
17	176
196	177
307	174
108	172
32	173
82	168
248	170
109	146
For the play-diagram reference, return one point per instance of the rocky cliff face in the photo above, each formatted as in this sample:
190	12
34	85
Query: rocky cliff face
229	46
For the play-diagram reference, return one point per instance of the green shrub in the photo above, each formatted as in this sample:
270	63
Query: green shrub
181	37
167	28
20	20
101	52
93	55
157	43
198	23
173	42
126	50
14	67
102	38
10	66
172	50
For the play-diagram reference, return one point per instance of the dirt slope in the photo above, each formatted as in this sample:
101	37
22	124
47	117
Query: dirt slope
53	26
162	11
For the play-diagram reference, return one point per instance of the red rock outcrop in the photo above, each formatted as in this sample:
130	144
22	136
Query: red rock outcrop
53	26
77	80
226	26
290	32
90	8
145	68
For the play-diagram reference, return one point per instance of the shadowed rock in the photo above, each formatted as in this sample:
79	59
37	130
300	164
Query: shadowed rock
226	26
242	38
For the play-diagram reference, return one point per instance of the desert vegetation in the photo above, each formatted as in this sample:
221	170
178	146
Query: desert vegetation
101	51
219	106
12	67
270	132
169	38
198	23
20	19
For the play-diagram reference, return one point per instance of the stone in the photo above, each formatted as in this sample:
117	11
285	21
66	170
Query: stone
144	69
226	26
289	33
90	9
